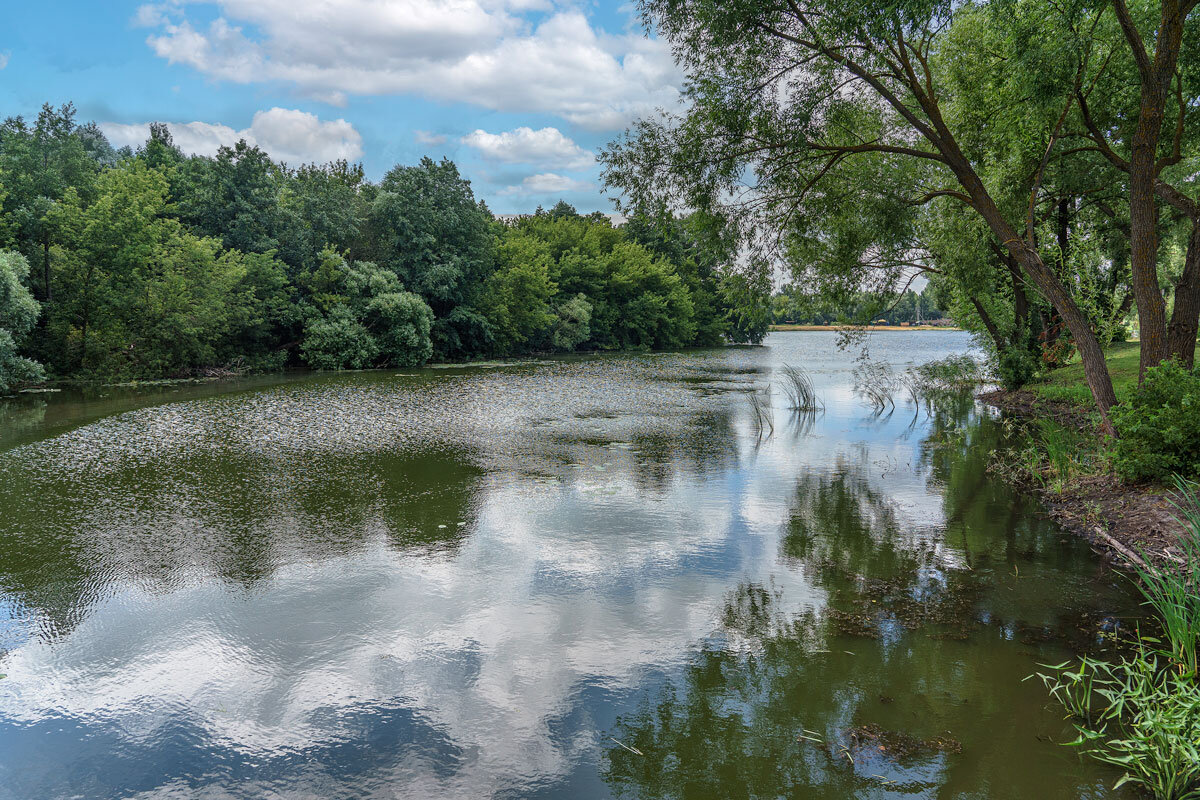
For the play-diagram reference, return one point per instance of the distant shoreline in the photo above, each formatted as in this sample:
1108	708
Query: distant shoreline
863	328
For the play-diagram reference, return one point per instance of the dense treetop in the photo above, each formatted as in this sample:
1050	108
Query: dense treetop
151	263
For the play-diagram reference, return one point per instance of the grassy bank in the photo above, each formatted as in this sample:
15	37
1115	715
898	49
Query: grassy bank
1140	711
1061	456
1068	385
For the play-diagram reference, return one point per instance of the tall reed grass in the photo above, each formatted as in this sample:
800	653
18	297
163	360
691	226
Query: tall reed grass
799	388
762	415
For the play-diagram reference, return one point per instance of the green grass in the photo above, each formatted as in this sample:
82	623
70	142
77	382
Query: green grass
1068	385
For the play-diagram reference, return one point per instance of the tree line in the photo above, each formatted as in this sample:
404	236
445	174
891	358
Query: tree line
148	263
1038	160
794	305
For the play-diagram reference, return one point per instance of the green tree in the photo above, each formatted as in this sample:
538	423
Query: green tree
140	295
234	197
783	97
18	313
40	163
425	225
362	317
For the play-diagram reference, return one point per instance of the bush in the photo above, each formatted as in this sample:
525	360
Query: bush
339	341
1015	367
1159	426
400	323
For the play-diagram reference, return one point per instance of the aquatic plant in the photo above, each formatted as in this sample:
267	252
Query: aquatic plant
952	372
1047	454
1138	715
876	382
761	413
1142	713
799	388
1173	591
941	377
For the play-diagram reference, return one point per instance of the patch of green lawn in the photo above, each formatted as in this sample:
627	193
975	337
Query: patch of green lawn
1068	384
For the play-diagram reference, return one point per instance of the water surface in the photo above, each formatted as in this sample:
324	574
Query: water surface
579	577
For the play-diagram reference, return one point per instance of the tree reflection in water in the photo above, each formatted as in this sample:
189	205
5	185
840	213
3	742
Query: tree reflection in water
871	694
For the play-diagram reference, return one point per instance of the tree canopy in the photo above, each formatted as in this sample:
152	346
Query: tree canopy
983	145
154	263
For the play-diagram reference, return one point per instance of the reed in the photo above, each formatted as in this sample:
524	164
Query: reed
761	413
877	383
799	388
1173	592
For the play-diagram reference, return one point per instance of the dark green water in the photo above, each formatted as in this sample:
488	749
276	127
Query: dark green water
578	578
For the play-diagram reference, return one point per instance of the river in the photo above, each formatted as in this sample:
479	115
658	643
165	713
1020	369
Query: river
575	577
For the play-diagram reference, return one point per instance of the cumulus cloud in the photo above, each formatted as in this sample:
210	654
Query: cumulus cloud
547	183
482	52
287	134
548	147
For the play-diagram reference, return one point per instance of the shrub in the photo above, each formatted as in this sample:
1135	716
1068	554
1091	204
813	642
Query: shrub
1159	426
400	323
339	341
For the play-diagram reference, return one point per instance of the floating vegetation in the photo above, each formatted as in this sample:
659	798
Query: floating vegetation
870	606
869	740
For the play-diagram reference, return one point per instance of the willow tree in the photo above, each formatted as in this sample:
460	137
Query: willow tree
782	92
1149	128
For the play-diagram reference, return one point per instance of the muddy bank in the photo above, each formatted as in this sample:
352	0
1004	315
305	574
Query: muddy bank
1124	522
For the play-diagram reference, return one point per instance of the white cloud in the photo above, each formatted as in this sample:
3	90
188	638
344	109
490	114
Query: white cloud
287	134
475	51
430	138
547	183
546	147
4	60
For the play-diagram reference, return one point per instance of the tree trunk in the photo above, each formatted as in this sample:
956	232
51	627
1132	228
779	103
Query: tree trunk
1095	369
1064	235
989	324
1185	319
1155	73
1143	248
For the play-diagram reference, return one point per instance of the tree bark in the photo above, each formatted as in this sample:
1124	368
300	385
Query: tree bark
1185	319
1143	249
1155	75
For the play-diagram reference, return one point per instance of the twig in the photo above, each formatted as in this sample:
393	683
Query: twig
1120	548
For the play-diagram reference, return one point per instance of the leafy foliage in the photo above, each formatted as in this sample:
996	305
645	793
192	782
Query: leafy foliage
1159	425
18	312
153	263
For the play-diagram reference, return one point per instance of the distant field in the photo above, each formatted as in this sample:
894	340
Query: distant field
871	327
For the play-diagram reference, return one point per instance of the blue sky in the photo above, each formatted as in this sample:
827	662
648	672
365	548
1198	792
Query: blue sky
521	93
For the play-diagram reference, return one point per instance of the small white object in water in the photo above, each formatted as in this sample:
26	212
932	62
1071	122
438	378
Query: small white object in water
441	526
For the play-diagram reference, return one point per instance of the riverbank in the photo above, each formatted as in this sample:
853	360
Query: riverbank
788	327
1124	522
